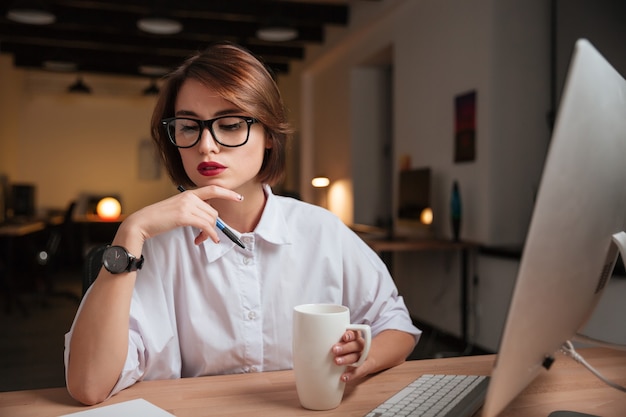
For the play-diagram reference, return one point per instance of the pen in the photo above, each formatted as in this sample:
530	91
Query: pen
220	225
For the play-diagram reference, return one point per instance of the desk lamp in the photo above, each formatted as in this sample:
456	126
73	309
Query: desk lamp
109	208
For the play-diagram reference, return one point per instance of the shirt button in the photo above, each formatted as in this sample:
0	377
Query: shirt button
247	239
251	315
254	369
246	261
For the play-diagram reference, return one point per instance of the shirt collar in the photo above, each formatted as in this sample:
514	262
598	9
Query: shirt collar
272	228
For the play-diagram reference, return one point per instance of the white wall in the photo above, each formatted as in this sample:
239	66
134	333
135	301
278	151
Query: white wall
491	298
442	49
370	118
10	82
521	87
429	75
69	144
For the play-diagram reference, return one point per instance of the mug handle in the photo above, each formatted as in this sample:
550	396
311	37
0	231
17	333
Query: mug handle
367	335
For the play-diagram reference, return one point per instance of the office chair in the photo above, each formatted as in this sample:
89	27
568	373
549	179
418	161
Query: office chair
92	265
49	257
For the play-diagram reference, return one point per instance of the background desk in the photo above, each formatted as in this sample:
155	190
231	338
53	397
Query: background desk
21	229
567	385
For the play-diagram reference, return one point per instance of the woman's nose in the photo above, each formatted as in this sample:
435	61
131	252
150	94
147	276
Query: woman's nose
207	144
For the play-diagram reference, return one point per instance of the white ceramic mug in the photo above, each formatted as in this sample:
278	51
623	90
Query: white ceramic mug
316	328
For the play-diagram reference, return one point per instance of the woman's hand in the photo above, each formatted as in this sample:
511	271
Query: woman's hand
389	348
189	208
347	352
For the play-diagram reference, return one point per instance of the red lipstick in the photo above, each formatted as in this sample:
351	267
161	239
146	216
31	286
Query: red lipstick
210	169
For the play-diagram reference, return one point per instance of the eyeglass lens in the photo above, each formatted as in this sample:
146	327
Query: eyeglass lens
227	131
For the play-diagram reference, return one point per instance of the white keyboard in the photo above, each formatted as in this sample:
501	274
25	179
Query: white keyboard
436	396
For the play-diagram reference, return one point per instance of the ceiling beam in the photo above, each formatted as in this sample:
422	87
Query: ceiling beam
102	36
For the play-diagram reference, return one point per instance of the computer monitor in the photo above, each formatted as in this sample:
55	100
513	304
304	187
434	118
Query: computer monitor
23	200
413	199
570	248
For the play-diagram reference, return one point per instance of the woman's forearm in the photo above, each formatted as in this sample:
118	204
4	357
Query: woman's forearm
99	343
390	348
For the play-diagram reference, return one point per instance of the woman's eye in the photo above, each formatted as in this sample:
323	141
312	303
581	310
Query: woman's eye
230	126
189	128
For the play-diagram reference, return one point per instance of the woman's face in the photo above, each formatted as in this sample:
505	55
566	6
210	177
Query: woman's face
207	162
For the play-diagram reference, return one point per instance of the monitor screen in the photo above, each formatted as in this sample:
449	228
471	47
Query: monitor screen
579	212
414	193
413	198
23	200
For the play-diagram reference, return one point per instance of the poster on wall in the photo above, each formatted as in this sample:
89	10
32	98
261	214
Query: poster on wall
465	127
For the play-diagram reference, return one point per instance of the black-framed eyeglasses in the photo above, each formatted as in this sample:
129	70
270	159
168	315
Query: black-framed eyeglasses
229	131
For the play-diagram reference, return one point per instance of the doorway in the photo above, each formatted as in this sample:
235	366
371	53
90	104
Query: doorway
371	95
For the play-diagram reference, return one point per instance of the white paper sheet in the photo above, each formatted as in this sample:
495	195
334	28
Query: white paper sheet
138	407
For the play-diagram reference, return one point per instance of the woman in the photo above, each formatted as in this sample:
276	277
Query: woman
191	302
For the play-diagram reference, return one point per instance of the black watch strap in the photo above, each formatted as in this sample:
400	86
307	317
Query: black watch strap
135	264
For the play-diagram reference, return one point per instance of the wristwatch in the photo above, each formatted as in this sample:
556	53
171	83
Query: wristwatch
117	260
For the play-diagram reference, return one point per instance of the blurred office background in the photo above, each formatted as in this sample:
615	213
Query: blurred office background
377	95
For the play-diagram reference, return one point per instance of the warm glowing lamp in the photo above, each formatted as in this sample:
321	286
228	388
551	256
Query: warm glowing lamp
109	208
320	182
426	216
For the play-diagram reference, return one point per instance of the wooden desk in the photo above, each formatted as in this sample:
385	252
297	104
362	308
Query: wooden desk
567	386
412	245
94	218
465	248
21	229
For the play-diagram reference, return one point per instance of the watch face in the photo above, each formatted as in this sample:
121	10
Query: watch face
115	259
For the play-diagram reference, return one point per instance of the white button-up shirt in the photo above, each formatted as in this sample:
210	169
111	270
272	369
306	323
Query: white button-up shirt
218	309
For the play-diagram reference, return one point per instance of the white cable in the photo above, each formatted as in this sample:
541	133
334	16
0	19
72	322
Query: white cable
568	349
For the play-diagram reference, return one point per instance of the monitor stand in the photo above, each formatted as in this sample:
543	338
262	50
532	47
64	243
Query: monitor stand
619	244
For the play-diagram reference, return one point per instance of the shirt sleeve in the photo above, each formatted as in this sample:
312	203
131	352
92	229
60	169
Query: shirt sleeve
370	290
153	347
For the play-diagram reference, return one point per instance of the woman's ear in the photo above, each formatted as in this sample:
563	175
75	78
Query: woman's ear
269	143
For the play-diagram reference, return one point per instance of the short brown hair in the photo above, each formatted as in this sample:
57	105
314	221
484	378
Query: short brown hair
237	76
